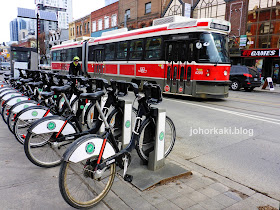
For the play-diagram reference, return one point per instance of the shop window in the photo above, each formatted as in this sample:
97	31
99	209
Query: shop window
122	50
264	28
274	41
153	48
251	29
251	41
263	42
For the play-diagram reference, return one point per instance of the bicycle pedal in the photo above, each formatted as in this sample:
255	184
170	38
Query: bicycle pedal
128	178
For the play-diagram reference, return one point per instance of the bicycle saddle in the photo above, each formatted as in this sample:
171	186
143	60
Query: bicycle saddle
46	95
92	96
62	89
35	84
26	80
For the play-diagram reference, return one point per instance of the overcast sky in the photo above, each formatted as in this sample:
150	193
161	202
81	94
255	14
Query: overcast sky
9	12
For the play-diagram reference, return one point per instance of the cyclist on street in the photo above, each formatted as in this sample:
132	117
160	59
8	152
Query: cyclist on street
75	67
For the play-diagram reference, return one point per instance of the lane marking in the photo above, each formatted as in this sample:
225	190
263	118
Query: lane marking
264	119
250	100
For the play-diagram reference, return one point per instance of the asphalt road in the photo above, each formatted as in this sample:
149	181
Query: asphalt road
249	154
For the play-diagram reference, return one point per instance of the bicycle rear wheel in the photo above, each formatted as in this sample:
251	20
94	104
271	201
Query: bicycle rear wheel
20	128
147	138
81	186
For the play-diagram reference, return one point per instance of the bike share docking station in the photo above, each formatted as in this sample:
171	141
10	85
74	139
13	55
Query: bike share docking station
159	170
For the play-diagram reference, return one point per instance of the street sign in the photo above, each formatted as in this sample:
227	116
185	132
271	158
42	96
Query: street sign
243	40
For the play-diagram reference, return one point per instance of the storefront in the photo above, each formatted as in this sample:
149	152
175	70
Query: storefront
267	61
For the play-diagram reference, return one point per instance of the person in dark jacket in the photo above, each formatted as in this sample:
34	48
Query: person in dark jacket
75	67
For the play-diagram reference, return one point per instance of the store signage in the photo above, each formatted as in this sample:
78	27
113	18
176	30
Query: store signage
260	53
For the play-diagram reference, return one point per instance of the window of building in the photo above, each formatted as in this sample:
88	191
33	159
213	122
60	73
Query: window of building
122	50
106	22
136	50
93	26
148	7
99	24
153	48
85	28
127	13
114	20
80	29
88	27
109	52
77	30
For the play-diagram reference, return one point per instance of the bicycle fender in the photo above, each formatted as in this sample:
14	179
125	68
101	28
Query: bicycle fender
34	114
10	95
52	124
22	106
88	147
15	100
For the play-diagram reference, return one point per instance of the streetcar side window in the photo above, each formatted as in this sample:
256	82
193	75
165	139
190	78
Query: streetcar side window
77	52
69	54
136	50
58	57
54	56
63	55
90	53
109	52
153	48
122	50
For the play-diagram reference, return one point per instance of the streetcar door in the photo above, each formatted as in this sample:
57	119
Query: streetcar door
173	66
99	58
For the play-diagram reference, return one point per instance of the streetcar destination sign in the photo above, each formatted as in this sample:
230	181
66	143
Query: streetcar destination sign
260	53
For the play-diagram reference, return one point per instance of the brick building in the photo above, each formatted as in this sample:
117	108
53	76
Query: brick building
82	27
140	13
104	19
72	31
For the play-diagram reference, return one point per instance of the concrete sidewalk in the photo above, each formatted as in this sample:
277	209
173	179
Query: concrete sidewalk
26	186
267	90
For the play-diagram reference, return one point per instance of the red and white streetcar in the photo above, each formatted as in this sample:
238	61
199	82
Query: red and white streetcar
184	55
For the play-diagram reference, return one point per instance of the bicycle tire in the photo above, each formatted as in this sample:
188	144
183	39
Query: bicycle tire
21	126
115	120
90	117
145	146
77	182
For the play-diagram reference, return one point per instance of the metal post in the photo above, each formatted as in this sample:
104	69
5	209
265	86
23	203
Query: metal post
156	157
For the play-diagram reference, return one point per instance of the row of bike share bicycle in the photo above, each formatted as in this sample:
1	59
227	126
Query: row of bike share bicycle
85	125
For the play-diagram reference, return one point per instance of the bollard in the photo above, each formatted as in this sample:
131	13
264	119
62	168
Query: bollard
156	157
126	128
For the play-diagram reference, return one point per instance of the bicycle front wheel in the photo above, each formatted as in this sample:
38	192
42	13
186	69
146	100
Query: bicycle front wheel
147	138
81	186
43	150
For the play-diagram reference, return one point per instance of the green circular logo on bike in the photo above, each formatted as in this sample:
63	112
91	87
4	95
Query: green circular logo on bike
34	113
18	100
55	96
12	95
82	106
62	100
25	106
161	135
90	147
51	125
127	124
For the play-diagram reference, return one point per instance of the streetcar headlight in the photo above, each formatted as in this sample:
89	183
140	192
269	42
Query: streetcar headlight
225	73
207	73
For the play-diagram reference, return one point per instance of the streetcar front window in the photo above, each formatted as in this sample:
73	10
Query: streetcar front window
212	48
